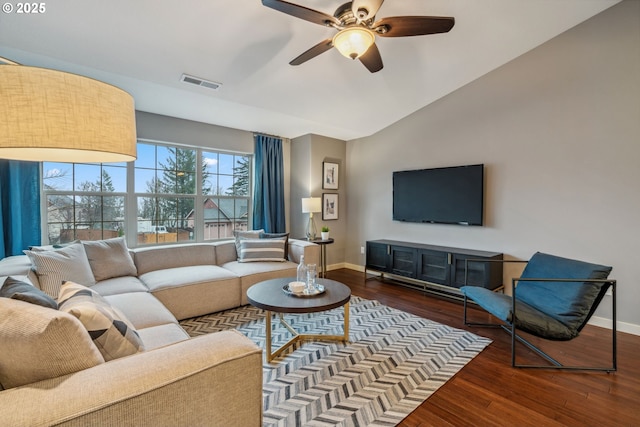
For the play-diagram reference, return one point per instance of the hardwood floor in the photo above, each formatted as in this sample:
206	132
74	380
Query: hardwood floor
489	392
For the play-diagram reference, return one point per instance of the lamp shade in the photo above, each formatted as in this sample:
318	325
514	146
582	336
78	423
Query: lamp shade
311	205
48	115
353	42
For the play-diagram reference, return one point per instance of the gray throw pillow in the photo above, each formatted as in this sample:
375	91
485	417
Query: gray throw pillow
109	258
16	289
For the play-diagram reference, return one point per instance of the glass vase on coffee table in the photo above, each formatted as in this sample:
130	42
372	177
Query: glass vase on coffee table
312	274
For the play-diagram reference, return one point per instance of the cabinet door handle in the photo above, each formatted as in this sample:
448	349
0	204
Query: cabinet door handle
449	258
388	250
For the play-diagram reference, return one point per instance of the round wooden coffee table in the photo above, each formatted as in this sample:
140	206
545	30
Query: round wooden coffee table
269	296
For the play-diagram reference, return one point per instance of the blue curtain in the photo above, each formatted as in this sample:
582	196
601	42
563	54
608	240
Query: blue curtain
268	197
20	199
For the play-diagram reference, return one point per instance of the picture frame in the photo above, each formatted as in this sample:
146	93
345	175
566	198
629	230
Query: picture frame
330	174
329	206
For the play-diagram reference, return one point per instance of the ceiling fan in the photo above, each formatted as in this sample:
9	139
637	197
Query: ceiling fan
357	29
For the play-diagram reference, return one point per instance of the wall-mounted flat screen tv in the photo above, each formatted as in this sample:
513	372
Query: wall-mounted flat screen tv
449	195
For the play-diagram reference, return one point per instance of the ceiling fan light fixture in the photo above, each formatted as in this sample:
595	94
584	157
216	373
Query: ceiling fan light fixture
353	42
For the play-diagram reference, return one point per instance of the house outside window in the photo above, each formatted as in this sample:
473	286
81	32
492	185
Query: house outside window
169	194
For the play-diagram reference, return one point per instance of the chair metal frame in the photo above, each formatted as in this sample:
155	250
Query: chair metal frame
510	327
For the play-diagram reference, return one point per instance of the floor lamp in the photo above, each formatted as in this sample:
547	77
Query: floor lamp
311	205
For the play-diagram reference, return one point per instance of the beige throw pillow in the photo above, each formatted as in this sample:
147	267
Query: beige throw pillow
56	266
109	258
38	343
108	327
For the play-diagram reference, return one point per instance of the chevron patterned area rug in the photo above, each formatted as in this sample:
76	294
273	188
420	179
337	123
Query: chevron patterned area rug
393	362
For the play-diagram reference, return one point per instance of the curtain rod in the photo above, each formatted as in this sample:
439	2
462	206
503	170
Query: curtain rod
267	134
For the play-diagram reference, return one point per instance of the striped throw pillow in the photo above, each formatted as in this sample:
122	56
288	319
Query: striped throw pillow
252	250
249	234
58	265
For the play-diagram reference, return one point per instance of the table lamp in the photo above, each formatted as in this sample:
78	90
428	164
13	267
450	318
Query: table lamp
311	205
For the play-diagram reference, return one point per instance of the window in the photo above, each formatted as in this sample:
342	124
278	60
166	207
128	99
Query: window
226	179
165	190
83	201
179	194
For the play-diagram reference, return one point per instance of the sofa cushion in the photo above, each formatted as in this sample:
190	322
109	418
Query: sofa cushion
257	250
59	265
251	273
225	251
162	335
119	285
278	236
109	258
109	328
194	290
16	289
19	267
142	309
160	258
39	343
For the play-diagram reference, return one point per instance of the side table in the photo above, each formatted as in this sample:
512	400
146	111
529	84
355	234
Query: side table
323	253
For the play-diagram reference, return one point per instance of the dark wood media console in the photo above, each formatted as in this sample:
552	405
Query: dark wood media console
426	265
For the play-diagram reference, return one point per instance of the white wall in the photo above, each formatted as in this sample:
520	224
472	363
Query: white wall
559	132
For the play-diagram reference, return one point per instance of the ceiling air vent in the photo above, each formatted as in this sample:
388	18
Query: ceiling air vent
200	82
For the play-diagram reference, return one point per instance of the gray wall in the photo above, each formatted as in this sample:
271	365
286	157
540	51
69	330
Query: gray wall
559	132
308	152
156	127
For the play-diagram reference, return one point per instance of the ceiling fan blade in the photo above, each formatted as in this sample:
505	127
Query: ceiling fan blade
316	50
372	59
365	9
402	26
301	12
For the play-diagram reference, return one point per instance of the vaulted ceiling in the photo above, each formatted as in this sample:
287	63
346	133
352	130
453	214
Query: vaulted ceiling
144	46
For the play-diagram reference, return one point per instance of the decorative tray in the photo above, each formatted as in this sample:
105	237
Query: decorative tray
317	291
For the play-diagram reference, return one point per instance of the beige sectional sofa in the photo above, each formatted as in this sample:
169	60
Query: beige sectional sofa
53	374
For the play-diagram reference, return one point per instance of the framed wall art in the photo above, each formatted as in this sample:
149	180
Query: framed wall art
329	176
329	206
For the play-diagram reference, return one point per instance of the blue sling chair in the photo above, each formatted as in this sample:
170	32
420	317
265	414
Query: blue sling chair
554	298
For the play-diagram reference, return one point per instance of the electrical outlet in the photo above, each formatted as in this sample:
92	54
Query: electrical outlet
362	250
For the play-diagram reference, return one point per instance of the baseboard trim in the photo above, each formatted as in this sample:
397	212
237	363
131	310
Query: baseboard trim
602	322
356	267
340	265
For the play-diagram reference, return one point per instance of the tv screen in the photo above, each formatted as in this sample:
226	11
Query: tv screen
450	195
